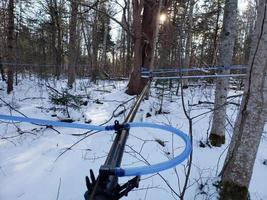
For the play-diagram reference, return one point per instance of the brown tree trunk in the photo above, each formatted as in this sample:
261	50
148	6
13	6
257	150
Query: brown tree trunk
2	70
95	48
137	29
10	45
72	43
217	135
59	40
104	49
248	129
144	49
128	38
56	36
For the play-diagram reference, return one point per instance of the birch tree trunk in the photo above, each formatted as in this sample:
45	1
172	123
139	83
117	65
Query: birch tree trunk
217	135
10	45
72	43
252	116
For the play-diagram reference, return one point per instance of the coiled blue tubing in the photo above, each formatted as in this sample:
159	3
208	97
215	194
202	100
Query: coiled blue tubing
133	171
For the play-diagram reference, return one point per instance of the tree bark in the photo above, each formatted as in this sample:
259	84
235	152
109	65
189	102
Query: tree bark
95	44
58	19
10	45
217	135
105	43
252	116
128	39
73	44
146	47
137	29
188	40
214	50
2	70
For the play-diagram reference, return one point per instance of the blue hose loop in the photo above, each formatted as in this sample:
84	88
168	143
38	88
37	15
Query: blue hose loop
135	171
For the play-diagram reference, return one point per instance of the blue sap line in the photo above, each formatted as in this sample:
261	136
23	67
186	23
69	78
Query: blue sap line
204	69
134	171
52	123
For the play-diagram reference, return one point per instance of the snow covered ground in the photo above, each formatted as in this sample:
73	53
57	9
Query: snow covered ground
31	166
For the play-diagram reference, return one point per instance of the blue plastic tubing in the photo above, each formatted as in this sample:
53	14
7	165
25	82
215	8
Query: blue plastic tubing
135	171
52	123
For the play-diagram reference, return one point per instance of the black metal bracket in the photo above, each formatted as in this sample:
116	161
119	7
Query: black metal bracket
119	127
106	186
124	189
120	190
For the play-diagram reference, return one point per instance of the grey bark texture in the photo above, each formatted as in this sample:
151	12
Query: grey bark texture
95	46
72	43
188	40
252	116
10	45
229	31
2	70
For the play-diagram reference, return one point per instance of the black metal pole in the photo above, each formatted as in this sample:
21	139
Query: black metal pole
106	185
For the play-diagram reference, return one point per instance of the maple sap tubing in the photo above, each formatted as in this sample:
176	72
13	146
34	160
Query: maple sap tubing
135	171
53	123
117	170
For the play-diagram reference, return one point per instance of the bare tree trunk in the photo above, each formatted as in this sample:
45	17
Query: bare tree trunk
56	36
95	48
137	29
87	39
10	45
189	40
72	43
214	50
2	70
128	38
104	50
217	135
147	44
252	116
59	40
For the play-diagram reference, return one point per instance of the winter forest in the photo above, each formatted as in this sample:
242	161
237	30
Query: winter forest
133	99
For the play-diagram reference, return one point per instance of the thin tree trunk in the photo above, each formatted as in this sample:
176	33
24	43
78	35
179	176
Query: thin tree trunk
128	38
189	40
104	50
87	41
217	135
59	40
95	48
252	116
2	70
214	51
10	45
72	43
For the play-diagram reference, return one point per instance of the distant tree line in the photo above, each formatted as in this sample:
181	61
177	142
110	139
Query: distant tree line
73	37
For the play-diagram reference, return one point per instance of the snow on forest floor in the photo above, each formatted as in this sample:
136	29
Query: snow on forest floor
30	166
